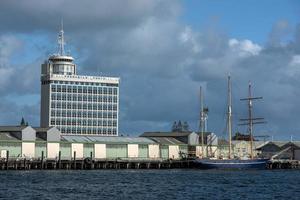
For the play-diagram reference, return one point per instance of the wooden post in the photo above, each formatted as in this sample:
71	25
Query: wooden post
42	160
7	158
59	160
74	167
24	163
92	161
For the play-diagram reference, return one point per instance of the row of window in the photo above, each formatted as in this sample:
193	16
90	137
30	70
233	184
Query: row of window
88	122
79	106
89	130
84	83
79	114
84	89
79	97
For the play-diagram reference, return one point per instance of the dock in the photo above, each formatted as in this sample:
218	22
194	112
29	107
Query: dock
89	164
283	164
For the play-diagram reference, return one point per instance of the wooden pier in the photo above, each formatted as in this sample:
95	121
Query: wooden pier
90	163
283	164
87	164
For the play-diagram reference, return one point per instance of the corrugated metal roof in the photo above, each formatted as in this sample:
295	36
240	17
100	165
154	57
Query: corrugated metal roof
11	128
42	129
106	139
166	140
165	134
8	136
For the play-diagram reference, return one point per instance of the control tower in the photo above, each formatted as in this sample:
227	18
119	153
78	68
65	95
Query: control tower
77	104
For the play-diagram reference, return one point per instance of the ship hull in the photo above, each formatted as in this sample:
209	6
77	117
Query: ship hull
231	164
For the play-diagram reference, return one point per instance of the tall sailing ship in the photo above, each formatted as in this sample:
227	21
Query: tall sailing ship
230	162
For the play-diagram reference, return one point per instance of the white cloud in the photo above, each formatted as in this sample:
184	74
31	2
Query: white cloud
244	47
293	68
188	37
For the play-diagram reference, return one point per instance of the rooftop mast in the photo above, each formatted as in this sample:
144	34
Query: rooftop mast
61	41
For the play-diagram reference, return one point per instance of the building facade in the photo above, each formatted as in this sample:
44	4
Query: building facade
77	104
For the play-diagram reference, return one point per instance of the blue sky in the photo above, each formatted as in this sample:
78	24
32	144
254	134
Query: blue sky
163	51
252	19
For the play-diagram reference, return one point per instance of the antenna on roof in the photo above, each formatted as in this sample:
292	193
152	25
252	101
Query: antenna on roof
61	40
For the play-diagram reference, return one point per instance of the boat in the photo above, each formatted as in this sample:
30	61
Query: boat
234	163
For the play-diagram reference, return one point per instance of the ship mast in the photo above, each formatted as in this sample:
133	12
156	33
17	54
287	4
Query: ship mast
202	122
251	120
229	116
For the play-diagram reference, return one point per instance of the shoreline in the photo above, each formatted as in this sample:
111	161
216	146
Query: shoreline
92	164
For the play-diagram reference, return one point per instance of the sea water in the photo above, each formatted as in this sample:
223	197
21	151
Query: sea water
150	184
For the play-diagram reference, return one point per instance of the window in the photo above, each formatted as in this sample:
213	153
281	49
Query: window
53	89
69	89
110	91
115	99
74	89
115	91
53	105
95	91
74	97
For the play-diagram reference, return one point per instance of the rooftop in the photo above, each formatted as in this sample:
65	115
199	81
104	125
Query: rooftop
106	139
165	134
7	136
166	140
12	128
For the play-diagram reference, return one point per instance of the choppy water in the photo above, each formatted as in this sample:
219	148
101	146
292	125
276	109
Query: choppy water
150	184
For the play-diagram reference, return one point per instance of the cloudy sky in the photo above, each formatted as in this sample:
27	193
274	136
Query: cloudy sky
163	50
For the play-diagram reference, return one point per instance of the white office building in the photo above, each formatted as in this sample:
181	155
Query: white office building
77	104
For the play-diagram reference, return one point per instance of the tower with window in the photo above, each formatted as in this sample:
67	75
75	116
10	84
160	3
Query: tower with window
77	104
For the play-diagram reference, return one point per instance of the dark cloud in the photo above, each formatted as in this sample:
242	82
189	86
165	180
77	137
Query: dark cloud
26	16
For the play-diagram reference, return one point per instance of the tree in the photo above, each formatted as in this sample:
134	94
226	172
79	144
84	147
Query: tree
22	122
174	127
185	127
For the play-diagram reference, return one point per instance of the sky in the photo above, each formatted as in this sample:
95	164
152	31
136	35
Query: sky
163	51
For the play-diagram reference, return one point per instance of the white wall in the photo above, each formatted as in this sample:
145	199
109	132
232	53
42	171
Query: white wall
28	149
153	150
79	150
133	150
100	151
199	151
173	151
53	150
3	153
